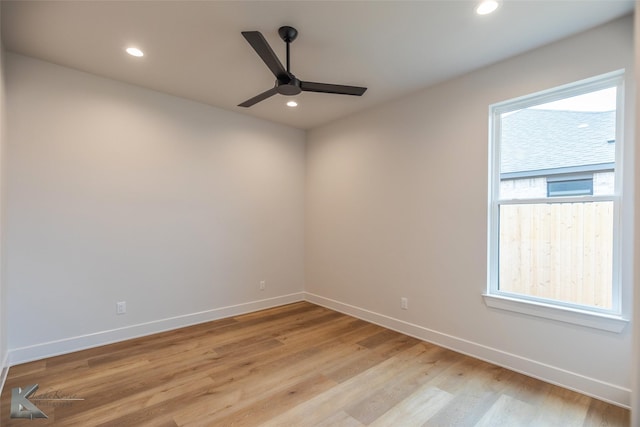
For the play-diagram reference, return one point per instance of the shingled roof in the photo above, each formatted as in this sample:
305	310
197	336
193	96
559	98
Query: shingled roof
534	140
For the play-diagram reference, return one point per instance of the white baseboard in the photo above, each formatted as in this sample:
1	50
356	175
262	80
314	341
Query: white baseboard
611	393
69	345
4	370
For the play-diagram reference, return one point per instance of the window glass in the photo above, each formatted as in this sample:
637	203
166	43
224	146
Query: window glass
573	187
570	135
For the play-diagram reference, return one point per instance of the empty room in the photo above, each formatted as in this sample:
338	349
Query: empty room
319	213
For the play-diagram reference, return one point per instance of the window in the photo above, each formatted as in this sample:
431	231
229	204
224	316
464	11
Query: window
554	203
559	187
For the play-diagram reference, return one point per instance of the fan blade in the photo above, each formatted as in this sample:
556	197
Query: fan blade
262	48
264	95
329	88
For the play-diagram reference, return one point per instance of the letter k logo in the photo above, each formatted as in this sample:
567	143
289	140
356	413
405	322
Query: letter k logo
21	407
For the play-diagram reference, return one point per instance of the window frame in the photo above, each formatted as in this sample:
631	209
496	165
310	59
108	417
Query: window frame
613	319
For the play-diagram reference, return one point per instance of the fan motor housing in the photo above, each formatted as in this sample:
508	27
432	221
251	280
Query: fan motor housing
290	88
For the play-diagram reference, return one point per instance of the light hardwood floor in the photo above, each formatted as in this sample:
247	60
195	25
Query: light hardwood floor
296	365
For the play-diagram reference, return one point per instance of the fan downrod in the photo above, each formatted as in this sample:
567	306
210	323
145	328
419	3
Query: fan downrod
288	34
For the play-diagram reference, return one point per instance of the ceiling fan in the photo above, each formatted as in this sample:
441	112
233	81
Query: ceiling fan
286	82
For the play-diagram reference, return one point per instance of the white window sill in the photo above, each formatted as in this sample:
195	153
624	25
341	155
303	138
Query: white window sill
605	322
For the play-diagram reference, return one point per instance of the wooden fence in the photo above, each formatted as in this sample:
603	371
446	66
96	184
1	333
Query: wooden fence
561	251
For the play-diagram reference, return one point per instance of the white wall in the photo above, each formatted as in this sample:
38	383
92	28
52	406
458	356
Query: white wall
3	303
120	193
397	207
635	403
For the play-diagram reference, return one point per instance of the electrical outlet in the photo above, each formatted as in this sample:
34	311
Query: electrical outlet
121	307
263	285
404	303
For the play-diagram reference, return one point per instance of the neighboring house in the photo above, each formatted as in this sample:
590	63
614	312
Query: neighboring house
552	153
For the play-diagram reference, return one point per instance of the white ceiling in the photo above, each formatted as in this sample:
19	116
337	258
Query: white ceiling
194	49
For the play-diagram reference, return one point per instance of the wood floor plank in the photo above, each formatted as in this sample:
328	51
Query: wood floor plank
272	405
476	384
416	409
294	365
566	408
507	411
602	414
339	419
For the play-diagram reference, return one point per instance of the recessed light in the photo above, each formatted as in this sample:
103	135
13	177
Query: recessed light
292	104
486	7
134	51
